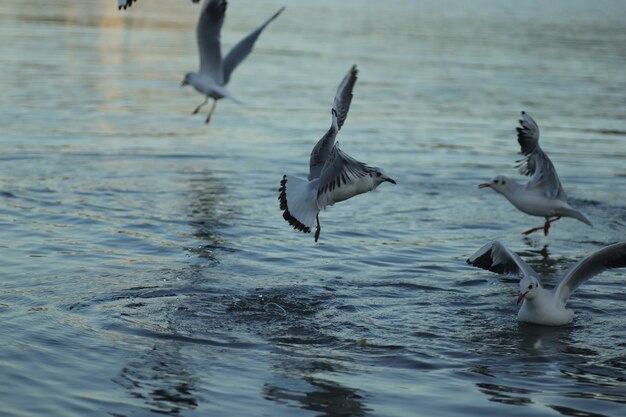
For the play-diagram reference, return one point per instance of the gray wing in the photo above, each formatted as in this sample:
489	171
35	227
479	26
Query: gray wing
208	37
496	257
537	165
340	170
341	104
613	256
244	47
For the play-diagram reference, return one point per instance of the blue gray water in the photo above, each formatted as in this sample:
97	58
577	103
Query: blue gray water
146	268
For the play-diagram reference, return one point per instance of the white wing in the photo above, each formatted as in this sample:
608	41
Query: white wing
208	38
613	256
496	257
537	164
244	47
341	104
298	202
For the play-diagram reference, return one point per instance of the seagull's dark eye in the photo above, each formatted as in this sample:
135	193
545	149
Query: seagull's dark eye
503	182
496	181
378	174
530	287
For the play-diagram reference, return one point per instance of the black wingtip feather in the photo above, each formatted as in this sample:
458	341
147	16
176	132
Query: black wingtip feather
484	262
282	197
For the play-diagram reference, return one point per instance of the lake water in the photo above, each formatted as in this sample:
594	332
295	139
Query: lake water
145	265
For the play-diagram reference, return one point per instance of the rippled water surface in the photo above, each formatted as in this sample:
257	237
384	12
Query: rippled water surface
145	265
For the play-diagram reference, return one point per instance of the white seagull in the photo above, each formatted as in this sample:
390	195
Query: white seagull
543	194
539	305
214	71
334	176
123	4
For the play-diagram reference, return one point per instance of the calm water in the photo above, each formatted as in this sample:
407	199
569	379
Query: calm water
146	268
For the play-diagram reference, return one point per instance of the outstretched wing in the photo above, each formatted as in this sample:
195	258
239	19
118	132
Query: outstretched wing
536	164
244	47
341	104
208	37
613	256
496	257
340	170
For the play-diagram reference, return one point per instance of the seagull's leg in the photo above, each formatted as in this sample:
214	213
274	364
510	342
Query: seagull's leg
319	229
534	229
208	117
206	100
546	226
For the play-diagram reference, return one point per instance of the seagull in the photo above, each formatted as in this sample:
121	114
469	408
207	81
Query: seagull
540	305
123	4
334	176
214	71
543	194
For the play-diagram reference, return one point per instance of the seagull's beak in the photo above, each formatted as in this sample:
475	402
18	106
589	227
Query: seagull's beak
521	297
484	185
386	178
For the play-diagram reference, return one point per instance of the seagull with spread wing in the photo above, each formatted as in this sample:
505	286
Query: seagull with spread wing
543	194
215	72
540	305
334	175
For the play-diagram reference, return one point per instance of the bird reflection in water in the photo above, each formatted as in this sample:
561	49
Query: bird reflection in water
160	378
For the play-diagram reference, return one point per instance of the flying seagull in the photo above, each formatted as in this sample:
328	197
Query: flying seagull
540	305
123	4
334	175
214	71
543	194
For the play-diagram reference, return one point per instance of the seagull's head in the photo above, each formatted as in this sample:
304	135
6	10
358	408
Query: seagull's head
379	176
498	184
528	287
187	79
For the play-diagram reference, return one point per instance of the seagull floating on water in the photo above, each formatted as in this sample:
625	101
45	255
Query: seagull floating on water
334	176
540	305
214	71
543	194
123	4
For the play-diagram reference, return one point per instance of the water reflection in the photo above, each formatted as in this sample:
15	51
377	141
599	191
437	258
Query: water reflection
208	213
328	398
297	321
516	365
161	379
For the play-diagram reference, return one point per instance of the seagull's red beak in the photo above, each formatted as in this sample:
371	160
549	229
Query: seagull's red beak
521	297
484	185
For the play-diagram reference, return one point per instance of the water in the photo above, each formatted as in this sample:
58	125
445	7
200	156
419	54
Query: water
146	268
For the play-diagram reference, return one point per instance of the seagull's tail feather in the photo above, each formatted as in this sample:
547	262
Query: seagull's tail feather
570	212
299	203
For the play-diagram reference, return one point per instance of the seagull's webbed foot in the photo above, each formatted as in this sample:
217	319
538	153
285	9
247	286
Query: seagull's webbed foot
319	228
